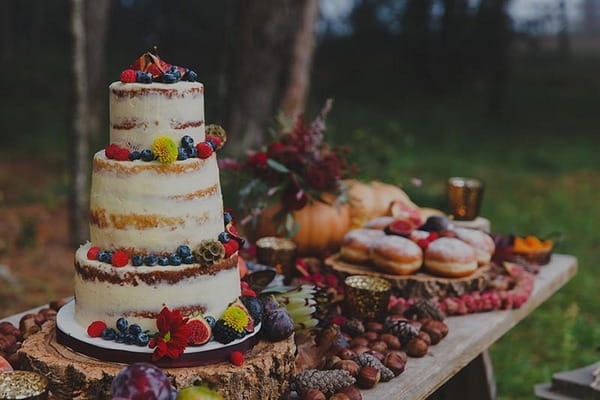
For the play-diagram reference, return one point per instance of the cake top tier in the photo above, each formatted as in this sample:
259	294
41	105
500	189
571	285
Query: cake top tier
153	99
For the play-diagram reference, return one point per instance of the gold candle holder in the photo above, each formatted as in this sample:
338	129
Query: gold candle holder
367	297
465	196
23	385
277	252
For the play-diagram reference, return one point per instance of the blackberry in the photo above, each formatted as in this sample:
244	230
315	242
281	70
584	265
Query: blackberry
223	333
211	320
254	307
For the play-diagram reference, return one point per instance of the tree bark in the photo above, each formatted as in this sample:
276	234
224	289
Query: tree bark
79	130
294	98
263	44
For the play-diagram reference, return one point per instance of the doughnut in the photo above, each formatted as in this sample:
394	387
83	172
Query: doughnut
356	244
418	234
450	257
378	223
396	255
482	243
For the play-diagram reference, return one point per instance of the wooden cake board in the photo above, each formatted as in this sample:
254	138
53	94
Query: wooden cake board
265	373
420	284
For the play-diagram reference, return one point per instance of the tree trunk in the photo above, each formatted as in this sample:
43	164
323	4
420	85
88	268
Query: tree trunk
294	98
263	44
79	129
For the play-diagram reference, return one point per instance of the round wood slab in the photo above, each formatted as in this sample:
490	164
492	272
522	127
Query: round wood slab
420	284
264	375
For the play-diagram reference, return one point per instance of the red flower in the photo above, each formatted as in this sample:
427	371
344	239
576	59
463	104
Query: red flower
275	147
258	159
173	335
319	178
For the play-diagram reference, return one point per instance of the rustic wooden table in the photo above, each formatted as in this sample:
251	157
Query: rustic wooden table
466	344
462	355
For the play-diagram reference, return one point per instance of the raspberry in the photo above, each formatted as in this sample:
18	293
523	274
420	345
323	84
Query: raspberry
244	285
248	292
92	253
128	76
230	247
217	141
237	358
95	329
119	259
204	150
111	150
122	155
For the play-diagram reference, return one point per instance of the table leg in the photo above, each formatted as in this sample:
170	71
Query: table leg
474	382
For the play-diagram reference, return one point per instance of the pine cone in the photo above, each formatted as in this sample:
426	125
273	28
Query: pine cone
367	360
353	327
328	382
402	329
425	308
209	252
216	130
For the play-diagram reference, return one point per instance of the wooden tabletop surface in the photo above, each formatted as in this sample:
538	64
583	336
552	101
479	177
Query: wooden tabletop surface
469	336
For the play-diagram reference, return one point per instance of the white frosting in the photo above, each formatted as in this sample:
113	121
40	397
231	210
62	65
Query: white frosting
153	193
105	301
153	114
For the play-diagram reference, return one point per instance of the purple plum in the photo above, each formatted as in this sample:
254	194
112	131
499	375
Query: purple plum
141	381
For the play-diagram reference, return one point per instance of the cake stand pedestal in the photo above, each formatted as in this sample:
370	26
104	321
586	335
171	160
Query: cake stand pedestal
265	374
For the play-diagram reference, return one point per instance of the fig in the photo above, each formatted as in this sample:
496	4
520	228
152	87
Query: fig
437	223
277	325
201	331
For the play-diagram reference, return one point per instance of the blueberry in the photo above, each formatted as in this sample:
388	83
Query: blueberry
169	78
181	154
120	337
189	259
184	251
129	338
137	260
142	339
122	324
143	77
134	155
212	144
135	329
187	142
192	153
224	237
191	76
150	260
147	155
174	259
175	71
109	334
163	260
211	320
105	256
227	218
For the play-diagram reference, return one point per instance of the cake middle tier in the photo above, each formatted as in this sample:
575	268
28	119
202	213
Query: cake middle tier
149	207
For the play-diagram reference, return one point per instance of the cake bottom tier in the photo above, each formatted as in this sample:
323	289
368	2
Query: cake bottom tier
105	293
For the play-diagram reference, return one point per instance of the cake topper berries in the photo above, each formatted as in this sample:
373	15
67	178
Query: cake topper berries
149	67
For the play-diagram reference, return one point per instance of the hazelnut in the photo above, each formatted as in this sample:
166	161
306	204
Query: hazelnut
359	341
352	392
370	336
339	396
374	327
376	354
346	354
435	336
431	324
7	342
379	345
392	341
395	361
48	313
425	336
28	327
331	361
417	347
348	365
400	354
6	328
40	318
360	349
368	377
313	394
57	304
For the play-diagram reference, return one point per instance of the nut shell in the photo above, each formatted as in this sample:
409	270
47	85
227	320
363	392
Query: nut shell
417	347
376	354
340	396
392	341
371	336
395	361
351	366
314	394
379	345
346	354
352	392
373	326
359	341
368	377
425	336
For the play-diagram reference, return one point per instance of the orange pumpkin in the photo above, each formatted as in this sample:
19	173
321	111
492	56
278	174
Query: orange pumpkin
321	226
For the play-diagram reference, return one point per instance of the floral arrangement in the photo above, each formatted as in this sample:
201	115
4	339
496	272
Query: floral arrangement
295	168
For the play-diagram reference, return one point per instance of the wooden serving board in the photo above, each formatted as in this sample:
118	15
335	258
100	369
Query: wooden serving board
420	284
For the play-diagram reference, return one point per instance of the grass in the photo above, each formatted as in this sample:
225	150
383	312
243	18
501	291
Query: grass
539	160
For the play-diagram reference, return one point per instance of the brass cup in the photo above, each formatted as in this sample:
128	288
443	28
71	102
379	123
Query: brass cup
465	196
277	252
25	385
367	297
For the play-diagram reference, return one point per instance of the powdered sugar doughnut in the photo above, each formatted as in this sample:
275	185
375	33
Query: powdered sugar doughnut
418	234
378	223
396	255
480	241
357	243
450	257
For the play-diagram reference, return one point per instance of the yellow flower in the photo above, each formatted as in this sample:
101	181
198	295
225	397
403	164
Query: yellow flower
236	318
165	149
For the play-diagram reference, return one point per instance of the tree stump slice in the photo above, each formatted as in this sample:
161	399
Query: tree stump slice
420	284
265	374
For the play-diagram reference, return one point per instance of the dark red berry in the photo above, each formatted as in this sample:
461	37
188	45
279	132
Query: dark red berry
92	253
111	151
205	150
128	76
119	259
237	358
95	329
122	155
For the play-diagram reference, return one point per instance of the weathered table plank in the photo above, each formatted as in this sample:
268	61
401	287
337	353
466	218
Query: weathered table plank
469	336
